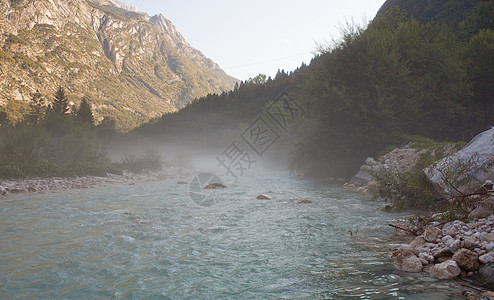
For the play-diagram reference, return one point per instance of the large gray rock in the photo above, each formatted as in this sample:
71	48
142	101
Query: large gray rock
405	259
432	233
483	210
466	169
364	175
446	270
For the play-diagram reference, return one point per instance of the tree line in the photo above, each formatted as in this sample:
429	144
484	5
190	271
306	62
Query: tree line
55	139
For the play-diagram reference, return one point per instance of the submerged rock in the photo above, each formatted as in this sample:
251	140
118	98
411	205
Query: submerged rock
304	201
214	186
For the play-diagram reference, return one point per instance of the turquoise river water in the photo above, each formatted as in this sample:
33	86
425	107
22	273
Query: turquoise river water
151	241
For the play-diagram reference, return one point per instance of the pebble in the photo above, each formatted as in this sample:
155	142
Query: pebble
58	184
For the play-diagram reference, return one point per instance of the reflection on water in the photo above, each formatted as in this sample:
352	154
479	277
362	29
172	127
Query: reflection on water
150	239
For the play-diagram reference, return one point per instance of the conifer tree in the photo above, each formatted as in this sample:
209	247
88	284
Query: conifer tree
85	113
37	108
60	103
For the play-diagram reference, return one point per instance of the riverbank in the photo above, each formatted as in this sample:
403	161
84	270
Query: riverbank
452	250
54	184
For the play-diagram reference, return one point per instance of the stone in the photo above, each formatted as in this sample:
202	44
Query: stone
485	275
486	258
3	191
483	210
304	201
214	186
467	260
427	257
424	262
404	259
488	237
444	258
431	233
182	182
488	295
442	252
474	165
418	242
370	161
262	197
489	247
446	270
447	240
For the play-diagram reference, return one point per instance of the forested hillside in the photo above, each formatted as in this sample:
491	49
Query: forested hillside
374	87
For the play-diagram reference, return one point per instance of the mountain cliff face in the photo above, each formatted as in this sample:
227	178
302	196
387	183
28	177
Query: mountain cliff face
131	66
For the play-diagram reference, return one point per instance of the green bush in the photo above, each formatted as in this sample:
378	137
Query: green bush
21	144
410	189
149	161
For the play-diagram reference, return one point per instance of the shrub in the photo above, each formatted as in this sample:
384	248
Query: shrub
21	144
410	189
149	161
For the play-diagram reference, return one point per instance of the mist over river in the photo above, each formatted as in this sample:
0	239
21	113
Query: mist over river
150	240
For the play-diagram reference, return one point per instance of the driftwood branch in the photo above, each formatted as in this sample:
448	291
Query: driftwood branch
404	229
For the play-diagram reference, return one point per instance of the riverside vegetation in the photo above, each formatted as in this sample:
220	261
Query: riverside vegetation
55	139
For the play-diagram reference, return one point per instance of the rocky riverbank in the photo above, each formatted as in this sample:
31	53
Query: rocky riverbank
453	250
40	185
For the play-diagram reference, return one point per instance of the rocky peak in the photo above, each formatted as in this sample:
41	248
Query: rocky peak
124	5
170	29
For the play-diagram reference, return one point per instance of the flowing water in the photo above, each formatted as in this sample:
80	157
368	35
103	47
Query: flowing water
150	240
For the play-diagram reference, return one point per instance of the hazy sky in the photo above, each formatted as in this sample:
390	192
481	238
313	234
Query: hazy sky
250	37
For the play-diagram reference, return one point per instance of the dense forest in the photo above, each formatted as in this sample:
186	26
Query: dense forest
374	87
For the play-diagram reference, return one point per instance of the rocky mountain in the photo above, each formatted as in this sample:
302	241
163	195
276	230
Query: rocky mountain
132	67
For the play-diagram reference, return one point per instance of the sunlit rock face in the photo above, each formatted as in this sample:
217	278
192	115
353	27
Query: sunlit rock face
466	171
132	66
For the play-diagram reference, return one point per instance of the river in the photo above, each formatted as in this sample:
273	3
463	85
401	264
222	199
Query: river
151	240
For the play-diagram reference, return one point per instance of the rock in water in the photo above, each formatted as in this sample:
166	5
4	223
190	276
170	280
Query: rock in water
485	276
466	259
469	168
404	259
446	270
304	201
262	197
214	186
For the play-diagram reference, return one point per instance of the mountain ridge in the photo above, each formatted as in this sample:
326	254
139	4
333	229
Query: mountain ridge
132	67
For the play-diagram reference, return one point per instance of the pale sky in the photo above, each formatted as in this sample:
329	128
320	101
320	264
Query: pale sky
250	37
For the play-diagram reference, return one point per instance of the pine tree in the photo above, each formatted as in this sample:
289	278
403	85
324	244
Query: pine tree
60	102
37	108
85	113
